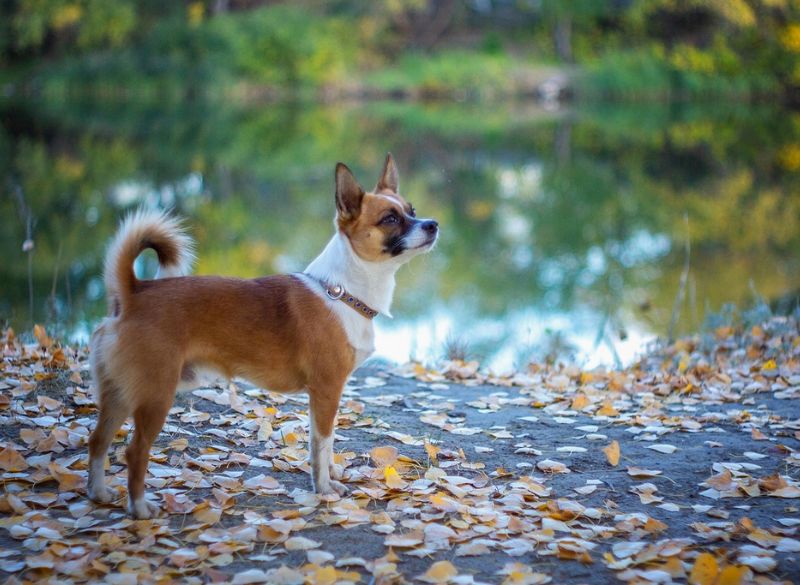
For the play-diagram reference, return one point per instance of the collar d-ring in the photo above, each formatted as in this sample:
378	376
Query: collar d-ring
335	292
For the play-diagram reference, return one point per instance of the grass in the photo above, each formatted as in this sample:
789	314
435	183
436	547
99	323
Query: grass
445	72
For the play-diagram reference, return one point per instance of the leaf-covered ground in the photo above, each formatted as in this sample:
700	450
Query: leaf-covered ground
683	468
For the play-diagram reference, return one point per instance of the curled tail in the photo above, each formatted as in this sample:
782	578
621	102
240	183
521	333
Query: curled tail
139	231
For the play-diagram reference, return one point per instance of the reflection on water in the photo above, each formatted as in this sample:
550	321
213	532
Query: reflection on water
562	234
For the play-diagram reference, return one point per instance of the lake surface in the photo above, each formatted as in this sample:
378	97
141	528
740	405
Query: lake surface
563	233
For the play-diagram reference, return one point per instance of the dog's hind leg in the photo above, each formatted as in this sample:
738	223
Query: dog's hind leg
148	419
113	412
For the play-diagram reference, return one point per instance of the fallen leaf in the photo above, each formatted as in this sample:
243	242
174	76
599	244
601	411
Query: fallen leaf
393	479
439	572
300	543
384	456
11	460
704	570
612	453
731	575
550	466
663	448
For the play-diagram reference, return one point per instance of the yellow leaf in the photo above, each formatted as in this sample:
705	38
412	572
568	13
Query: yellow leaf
607	409
384	456
393	479
325	576
580	402
440	572
432	451
41	336
769	365
652	526
612	453
704	571
731	575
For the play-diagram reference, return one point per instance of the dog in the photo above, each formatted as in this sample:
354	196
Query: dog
294	332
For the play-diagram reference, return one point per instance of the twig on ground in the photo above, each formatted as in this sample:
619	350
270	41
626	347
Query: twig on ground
681	294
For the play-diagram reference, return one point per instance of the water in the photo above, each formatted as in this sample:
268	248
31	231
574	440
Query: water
563	233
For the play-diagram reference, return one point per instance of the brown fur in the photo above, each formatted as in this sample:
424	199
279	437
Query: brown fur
272	331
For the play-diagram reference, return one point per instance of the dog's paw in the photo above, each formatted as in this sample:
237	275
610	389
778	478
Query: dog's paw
101	494
141	509
337	471
331	488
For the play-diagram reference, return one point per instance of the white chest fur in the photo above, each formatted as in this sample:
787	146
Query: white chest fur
360	330
372	282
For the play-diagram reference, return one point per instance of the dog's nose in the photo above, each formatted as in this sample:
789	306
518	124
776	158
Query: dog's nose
430	225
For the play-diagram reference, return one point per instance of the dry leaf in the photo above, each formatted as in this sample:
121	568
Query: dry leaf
440	572
384	456
731	575
393	479
11	460
704	570
612	453
300	543
663	448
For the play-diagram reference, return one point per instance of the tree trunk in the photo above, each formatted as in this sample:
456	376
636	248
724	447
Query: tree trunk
564	38
221	6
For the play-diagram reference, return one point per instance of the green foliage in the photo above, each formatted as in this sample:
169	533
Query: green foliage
643	49
683	72
634	74
285	46
279	47
87	23
736	48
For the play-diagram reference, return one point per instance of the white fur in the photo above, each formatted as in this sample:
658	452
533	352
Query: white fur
98	490
321	460
133	229
141	509
416	241
371	282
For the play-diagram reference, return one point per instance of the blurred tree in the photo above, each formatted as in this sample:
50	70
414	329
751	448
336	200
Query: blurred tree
87	24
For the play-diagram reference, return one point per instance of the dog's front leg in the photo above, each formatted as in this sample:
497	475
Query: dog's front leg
322	421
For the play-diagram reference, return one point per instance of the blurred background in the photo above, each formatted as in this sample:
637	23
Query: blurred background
605	171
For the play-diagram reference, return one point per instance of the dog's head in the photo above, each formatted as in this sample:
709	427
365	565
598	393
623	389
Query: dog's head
381	225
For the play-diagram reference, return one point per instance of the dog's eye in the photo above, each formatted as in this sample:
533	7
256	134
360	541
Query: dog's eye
391	218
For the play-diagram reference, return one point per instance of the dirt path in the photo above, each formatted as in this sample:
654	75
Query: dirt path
454	482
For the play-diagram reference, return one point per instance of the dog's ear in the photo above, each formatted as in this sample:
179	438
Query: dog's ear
389	179
348	193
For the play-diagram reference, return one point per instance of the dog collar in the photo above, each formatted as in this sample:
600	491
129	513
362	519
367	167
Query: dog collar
337	292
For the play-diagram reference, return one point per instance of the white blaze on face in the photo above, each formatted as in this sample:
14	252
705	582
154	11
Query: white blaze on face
416	237
418	240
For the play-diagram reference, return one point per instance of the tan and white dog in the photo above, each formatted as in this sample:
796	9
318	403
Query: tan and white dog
305	331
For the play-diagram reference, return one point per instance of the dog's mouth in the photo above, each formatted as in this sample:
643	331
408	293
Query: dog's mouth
429	243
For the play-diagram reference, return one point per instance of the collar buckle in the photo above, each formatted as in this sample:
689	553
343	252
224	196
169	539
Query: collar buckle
334	292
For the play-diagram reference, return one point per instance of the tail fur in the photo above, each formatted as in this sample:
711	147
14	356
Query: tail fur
139	231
